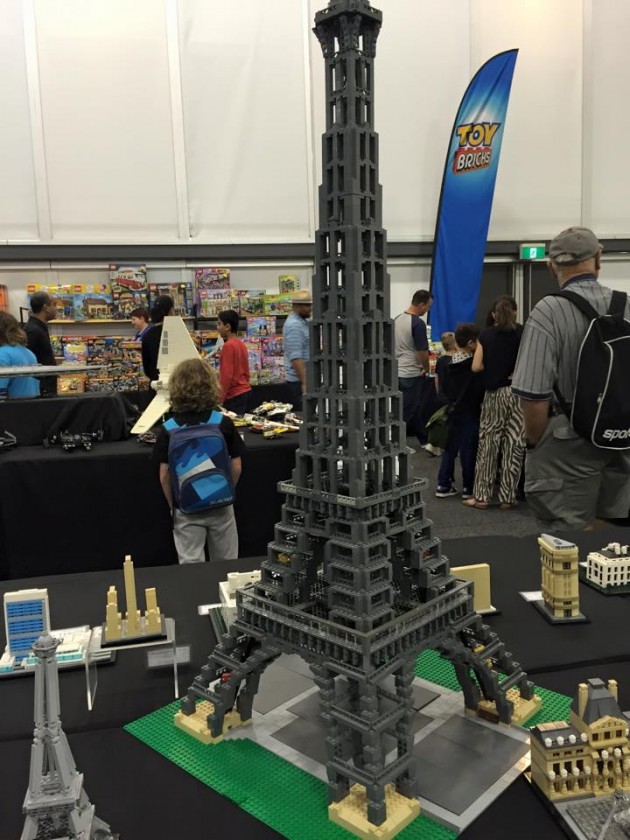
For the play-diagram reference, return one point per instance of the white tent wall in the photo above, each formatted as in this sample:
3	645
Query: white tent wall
18	208
197	121
106	118
246	123
538	189
606	169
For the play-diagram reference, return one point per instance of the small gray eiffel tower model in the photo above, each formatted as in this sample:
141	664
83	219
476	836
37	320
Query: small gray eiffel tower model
56	805
354	581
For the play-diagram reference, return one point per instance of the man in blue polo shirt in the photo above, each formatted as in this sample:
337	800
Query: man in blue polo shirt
412	356
296	346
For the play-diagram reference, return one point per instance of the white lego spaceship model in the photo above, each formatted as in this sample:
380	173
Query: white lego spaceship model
176	345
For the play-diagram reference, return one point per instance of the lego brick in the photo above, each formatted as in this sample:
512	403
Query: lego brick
307	736
351	813
543	609
458	743
277	686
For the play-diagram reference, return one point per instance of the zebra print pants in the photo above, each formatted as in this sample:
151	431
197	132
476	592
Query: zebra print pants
501	433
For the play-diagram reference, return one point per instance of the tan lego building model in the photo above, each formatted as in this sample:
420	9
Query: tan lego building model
134	626
589	755
479	574
560	580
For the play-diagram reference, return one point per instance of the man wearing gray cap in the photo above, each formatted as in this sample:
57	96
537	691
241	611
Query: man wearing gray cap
568	481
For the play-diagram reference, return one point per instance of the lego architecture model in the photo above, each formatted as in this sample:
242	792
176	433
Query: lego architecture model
608	570
560	602
118	630
227	592
354	582
479	575
583	766
26	617
56	804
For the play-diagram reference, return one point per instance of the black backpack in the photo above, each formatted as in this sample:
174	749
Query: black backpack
600	411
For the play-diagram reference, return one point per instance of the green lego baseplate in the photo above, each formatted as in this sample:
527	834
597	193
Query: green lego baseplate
256	779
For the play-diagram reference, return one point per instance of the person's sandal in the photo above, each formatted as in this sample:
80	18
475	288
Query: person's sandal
476	504
507	505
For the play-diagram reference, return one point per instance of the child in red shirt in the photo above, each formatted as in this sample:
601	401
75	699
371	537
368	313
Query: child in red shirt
233	364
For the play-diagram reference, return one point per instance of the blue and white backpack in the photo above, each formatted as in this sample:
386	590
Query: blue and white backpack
200	465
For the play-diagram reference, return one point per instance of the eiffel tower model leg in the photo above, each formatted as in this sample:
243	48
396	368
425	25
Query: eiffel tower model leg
354	580
500	689
215	691
56	805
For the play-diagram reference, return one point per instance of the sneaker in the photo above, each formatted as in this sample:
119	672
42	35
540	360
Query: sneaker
445	492
466	494
432	450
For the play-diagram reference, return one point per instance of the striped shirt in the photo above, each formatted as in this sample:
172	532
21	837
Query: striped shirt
295	335
552	339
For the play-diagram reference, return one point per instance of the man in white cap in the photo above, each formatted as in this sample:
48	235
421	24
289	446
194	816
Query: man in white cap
296	346
569	482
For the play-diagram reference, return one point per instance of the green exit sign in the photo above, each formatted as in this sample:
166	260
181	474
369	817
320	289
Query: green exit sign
532	251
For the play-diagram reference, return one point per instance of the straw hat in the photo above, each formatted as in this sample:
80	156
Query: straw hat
301	296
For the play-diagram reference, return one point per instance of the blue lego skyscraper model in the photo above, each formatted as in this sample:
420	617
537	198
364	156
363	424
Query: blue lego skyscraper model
354	581
26	617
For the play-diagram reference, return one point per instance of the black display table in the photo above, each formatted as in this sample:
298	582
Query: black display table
143	795
82	511
33	420
539	646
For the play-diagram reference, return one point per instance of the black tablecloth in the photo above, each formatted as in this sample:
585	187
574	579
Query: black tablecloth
142	794
33	420
82	511
536	644
264	393
126	690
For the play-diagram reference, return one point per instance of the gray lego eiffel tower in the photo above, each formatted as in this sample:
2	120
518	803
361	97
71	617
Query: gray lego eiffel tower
56	805
354	581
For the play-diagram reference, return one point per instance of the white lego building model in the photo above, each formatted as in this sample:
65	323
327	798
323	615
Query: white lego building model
227	592
26	618
608	570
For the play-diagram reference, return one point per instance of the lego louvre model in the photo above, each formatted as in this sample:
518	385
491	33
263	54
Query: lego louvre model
581	767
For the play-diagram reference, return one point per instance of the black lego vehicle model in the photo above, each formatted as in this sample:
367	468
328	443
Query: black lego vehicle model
70	441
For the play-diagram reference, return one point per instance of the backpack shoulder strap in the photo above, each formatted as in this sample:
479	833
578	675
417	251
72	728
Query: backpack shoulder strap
215	418
171	425
577	300
618	303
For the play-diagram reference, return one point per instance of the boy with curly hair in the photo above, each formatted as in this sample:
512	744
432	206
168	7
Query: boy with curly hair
195	393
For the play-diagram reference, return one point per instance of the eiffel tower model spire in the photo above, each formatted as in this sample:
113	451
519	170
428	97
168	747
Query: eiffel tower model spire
56	805
354	581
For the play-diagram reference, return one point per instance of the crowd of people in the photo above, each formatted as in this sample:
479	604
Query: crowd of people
509	390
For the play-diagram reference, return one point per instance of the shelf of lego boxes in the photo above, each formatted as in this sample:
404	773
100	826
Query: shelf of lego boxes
112	303
123	357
